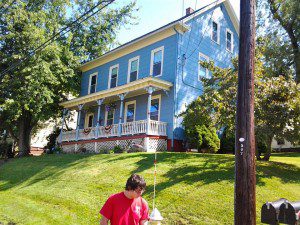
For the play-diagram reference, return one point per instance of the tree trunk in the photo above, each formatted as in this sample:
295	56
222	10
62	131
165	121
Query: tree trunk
24	133
267	154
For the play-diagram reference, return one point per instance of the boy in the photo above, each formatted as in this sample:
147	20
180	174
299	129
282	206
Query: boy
127	207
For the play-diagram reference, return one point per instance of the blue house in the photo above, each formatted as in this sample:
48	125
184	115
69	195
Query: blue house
134	93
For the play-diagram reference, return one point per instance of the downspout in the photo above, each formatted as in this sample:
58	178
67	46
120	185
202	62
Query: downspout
175	90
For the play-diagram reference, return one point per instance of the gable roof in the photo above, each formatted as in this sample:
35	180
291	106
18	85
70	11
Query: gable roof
159	34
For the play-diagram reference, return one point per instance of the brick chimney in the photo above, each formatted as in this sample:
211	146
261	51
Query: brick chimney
188	11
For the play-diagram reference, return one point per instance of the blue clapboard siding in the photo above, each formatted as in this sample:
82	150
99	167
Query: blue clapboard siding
144	66
197	40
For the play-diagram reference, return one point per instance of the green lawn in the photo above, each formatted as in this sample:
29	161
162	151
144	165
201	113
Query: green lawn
191	189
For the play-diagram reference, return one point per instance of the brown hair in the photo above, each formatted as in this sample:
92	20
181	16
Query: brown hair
135	181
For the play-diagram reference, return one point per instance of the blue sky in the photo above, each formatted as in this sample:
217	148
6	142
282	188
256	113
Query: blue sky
153	14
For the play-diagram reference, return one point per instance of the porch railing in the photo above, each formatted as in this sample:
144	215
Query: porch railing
130	128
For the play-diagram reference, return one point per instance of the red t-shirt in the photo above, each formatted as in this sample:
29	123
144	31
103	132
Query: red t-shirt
121	210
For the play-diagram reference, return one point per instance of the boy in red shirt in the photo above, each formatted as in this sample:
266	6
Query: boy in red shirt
127	207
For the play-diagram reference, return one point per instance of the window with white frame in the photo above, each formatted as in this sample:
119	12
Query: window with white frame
130	111
157	61
229	40
133	69
113	74
155	108
203	72
215	35
93	83
89	120
109	117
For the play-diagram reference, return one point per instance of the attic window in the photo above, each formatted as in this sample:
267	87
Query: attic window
215	36
229	40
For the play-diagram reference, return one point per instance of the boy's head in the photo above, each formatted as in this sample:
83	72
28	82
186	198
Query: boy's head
135	183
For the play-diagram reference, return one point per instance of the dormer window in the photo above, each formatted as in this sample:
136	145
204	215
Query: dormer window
157	61
133	68
113	74
215	35
93	83
229	40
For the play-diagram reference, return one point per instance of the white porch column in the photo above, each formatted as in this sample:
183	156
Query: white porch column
99	103
78	120
150	91
62	124
122	97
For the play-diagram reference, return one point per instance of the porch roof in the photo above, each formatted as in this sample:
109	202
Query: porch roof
132	89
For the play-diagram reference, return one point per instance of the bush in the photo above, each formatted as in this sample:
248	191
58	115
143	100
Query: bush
54	150
208	140
227	142
6	147
118	149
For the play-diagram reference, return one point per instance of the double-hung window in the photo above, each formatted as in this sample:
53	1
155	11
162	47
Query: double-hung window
130	111
93	83
229	40
133	69
113	75
89	120
215	34
157	56
203	72
109	117
155	108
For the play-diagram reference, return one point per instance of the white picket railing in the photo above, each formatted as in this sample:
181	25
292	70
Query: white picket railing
130	128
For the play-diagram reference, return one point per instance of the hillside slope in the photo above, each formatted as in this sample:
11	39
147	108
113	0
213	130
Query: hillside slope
191	189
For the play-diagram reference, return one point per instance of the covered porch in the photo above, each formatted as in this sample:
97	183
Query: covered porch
126	127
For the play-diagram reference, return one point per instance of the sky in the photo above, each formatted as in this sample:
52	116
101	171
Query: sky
153	14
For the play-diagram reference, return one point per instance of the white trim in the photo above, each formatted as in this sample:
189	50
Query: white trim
129	66
229	31
106	114
86	121
206	70
110	71
162	60
159	105
218	31
90	81
126	107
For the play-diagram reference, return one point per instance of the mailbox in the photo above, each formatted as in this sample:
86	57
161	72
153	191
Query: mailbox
289	213
270	211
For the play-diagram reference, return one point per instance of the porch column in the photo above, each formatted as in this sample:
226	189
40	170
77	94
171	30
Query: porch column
99	103
62	125
121	96
150	91
78	120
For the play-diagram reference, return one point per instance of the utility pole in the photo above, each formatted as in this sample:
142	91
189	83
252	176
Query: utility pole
244	202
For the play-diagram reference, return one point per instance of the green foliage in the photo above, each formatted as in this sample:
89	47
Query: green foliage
71	188
208	141
277	103
118	149
30	93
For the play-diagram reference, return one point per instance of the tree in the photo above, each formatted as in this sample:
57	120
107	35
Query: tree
277	104
199	129
30	93
279	24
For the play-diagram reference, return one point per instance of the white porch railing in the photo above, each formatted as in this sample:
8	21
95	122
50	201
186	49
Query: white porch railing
130	128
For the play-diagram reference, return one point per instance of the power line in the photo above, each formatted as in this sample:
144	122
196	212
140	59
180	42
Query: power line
66	29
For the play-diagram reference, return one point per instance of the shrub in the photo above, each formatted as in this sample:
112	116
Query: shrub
208	140
6	147
118	149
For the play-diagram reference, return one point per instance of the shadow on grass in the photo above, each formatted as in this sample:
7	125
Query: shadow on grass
35	169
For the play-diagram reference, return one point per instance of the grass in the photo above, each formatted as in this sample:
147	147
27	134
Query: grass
191	188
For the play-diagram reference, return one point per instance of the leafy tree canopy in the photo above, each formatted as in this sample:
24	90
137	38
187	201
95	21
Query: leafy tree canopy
30	93
277	104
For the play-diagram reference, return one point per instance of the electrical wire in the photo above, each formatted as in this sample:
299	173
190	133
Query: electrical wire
65	30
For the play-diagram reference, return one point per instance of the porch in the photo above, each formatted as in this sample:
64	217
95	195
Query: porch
157	128
97	123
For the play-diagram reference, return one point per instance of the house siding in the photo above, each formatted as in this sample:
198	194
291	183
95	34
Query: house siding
188	87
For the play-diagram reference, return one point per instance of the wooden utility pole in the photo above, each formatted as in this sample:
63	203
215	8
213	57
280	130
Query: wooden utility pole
244	202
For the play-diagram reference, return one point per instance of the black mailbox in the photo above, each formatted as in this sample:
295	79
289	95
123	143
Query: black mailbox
289	213
270	211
